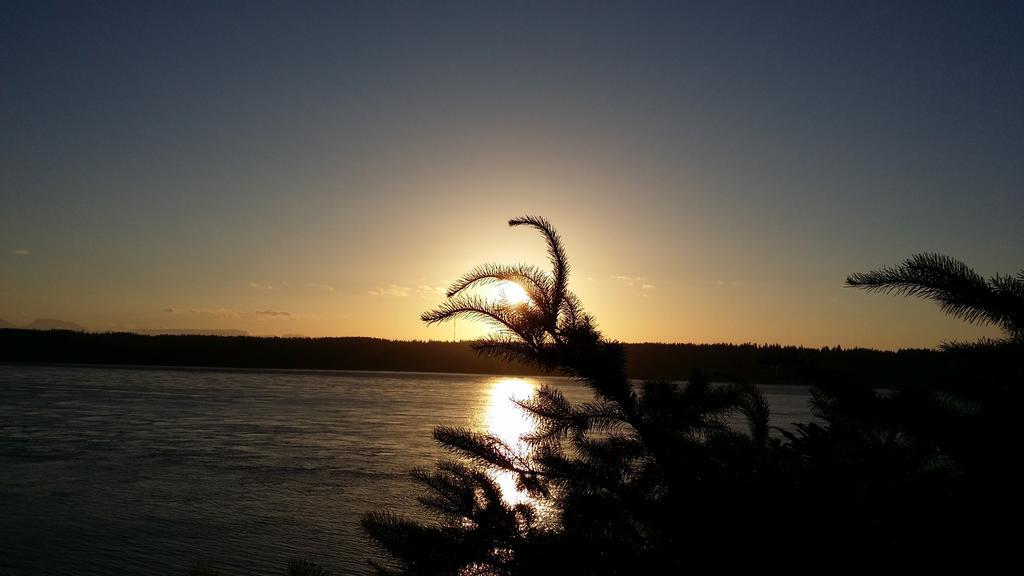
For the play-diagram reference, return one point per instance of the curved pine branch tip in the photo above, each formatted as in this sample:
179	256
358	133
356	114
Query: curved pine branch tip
959	291
553	311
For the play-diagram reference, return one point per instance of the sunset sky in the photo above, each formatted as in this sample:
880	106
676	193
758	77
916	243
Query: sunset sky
715	170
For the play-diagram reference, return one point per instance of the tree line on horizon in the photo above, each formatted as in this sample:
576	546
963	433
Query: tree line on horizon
755	363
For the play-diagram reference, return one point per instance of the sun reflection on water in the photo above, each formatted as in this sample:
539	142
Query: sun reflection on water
504	419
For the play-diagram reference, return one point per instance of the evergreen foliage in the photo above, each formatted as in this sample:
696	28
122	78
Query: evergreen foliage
657	477
959	290
618	473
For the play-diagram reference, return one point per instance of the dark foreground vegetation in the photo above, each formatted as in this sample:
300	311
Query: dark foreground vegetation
761	364
911	463
653	479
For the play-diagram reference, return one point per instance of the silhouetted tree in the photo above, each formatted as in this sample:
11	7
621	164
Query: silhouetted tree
919	467
656	477
629	478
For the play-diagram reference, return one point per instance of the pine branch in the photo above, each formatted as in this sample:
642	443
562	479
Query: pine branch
958	289
475	307
482	448
535	282
556	254
755	408
452	494
509	347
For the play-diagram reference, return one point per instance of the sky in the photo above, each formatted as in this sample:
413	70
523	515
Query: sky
325	169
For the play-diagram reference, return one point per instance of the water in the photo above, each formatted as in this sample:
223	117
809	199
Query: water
147	471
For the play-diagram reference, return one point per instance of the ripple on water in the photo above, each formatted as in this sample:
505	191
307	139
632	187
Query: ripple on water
145	471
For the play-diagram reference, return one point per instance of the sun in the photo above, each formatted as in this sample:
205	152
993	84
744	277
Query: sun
510	293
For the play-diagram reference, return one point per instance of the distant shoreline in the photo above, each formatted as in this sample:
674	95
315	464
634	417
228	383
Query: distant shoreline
235	369
759	364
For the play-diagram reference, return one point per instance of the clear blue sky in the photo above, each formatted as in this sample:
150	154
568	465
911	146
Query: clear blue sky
319	169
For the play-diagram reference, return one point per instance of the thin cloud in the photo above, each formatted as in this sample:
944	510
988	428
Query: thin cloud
259	286
171	310
274	313
21	252
320	287
393	290
640	282
427	290
215	312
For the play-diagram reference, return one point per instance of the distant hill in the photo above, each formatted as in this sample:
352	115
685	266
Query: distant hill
6	324
759	364
53	324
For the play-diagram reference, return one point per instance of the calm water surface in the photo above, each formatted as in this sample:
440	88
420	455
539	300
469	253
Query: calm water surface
146	471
